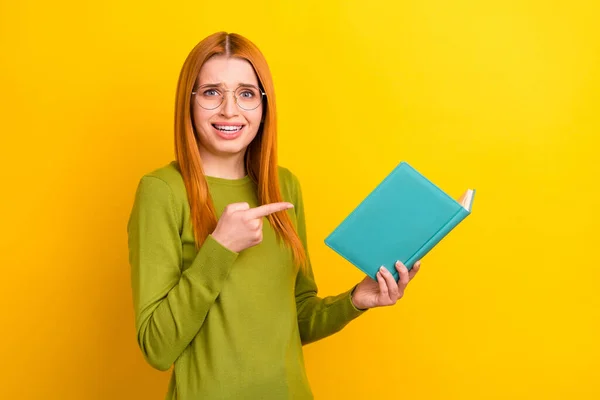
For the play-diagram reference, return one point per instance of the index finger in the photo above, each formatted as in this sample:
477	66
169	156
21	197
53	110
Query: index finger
266	209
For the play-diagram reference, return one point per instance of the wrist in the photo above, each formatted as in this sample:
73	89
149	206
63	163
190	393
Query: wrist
356	302
221	241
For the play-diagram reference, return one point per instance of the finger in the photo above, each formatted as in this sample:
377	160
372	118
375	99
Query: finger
255	224
236	207
383	289
391	284
266	209
403	272
413	271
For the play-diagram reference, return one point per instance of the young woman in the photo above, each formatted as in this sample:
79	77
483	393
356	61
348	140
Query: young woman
222	282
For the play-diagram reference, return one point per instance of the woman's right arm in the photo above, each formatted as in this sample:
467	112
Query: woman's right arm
170	306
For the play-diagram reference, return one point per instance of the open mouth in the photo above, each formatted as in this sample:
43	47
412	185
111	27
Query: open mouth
228	128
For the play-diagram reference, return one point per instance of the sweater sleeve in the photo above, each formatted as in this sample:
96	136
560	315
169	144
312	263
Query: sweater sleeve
317	317
170	305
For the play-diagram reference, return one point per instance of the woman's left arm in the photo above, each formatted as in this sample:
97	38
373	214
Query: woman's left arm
317	317
321	317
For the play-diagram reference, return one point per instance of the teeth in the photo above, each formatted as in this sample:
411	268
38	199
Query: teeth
228	128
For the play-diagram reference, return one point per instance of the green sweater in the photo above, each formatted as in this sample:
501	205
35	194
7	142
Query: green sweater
232	323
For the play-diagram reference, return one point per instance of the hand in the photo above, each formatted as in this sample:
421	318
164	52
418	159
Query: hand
385	291
240	226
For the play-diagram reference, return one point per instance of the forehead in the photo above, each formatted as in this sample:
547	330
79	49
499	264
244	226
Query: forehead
229	71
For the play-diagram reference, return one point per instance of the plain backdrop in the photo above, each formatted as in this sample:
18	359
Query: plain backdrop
500	96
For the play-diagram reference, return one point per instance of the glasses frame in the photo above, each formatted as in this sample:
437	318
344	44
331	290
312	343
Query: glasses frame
262	96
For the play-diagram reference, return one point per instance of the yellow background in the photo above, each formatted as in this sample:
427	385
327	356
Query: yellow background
501	96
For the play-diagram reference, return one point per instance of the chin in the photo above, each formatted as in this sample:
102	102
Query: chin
222	147
230	148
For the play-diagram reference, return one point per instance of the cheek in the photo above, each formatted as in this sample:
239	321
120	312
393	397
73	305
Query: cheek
256	116
200	115
200	120
255	121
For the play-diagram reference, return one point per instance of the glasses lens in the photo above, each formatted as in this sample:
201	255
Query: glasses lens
248	97
209	97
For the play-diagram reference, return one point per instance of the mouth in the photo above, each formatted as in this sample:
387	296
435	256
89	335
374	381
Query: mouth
228	128
228	131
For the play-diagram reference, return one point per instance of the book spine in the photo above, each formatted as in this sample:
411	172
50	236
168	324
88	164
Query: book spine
439	235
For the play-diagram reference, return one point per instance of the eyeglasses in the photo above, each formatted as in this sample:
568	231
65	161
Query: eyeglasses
247	97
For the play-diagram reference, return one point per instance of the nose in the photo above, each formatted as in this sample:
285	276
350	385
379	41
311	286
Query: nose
229	106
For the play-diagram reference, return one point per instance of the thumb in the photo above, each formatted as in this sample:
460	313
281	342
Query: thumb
233	207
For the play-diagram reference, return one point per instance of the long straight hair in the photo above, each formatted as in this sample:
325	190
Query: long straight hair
260	157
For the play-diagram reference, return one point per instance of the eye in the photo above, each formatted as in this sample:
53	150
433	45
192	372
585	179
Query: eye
247	94
210	92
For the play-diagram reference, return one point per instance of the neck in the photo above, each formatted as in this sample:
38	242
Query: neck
230	166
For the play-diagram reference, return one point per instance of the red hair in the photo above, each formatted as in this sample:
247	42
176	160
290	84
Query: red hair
261	154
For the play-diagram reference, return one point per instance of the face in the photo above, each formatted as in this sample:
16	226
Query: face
228	129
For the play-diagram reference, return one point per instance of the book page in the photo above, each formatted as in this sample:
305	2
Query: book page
466	199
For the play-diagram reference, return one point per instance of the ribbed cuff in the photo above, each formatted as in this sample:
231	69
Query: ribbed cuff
212	264
356	311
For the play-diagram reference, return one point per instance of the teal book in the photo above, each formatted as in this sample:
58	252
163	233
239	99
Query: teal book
403	218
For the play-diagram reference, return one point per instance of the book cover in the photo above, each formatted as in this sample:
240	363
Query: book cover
403	218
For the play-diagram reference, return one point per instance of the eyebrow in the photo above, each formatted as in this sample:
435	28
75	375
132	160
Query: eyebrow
221	85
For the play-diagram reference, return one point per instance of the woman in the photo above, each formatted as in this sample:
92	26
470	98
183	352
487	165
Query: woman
221	292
